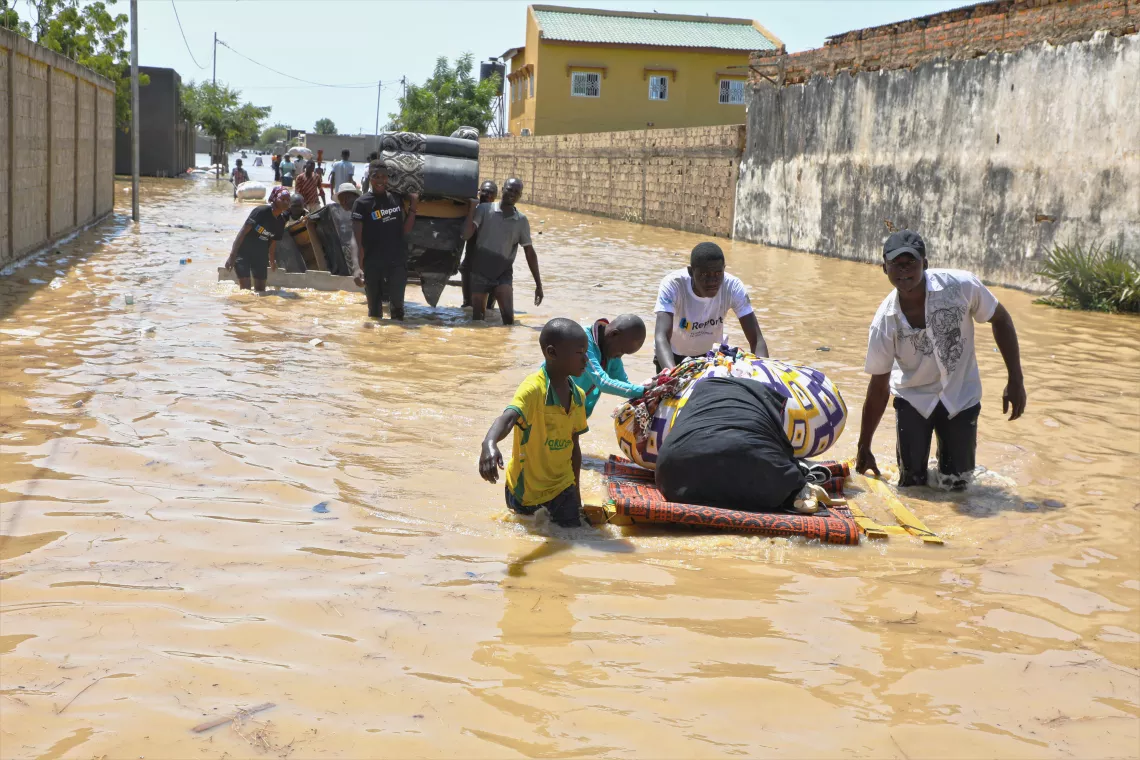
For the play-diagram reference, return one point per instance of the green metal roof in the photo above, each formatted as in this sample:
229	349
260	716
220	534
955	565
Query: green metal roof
665	32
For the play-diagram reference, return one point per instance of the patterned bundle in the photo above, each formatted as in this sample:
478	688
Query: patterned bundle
814	410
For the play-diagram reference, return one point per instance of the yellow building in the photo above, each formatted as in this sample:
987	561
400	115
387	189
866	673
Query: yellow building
585	70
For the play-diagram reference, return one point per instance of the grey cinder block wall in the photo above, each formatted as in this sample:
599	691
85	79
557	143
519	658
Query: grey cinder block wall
56	146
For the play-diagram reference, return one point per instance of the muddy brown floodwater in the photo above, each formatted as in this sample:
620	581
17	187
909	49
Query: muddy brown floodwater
164	565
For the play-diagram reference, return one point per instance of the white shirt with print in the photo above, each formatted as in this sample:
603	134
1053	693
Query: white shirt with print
698	323
935	363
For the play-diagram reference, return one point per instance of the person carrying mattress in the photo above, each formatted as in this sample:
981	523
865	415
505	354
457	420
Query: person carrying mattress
605	371
379	225
692	304
500	229
255	248
488	192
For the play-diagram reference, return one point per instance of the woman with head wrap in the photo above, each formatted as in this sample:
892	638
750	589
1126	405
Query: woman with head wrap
255	247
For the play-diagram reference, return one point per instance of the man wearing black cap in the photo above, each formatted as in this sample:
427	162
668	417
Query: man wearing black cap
921	351
692	304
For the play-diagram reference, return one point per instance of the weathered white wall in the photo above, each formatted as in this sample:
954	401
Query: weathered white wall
972	154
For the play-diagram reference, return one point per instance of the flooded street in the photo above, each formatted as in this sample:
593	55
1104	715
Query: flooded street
164	565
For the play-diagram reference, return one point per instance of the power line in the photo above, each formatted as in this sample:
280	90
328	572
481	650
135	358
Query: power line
360	86
184	40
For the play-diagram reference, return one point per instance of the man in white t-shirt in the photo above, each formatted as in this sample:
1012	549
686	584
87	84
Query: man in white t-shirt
692	304
921	351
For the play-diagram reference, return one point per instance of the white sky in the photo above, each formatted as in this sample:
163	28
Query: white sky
359	41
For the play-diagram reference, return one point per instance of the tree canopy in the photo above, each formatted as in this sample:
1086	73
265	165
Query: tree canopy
219	112
450	98
324	127
278	133
87	33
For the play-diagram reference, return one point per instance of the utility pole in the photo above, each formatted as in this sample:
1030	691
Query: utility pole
379	86
215	59
135	110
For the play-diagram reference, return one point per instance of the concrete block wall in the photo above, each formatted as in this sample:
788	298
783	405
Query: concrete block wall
679	178
56	138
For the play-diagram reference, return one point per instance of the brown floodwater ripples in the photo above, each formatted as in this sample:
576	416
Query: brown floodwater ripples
160	463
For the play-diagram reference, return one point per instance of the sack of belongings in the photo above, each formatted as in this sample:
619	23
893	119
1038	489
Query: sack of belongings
812	418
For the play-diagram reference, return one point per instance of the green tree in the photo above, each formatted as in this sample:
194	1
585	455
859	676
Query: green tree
10	20
87	33
219	112
450	98
324	127
273	135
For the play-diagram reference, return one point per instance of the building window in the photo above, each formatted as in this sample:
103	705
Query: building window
530	79
659	88
732	92
585	84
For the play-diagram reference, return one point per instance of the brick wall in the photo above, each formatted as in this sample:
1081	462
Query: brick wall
1004	26
679	178
55	162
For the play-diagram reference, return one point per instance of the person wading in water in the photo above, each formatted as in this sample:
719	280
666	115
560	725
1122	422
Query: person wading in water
488	192
379	225
255	248
692	304
921	351
500	229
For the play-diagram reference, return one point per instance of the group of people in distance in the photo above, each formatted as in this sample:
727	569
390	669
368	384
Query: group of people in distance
381	219
920	350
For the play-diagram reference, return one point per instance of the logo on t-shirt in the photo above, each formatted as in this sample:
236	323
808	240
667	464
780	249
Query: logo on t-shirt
558	444
383	213
263	233
695	326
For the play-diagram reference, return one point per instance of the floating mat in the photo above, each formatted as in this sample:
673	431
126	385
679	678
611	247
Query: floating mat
634	496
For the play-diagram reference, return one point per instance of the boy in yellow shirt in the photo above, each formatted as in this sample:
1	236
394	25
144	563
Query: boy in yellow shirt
548	413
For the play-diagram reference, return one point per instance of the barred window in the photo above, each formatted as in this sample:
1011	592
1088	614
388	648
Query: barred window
585	84
530	80
659	88
732	92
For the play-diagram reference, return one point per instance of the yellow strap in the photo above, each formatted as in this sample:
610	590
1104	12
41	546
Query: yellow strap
907	519
871	528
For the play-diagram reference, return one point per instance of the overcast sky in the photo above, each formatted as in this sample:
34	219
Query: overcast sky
366	41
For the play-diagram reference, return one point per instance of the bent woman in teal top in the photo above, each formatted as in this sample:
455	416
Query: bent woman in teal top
605	372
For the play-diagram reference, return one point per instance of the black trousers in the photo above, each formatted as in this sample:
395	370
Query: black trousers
385	280
563	508
957	441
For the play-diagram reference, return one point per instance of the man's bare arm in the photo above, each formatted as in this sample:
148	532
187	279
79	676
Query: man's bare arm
663	339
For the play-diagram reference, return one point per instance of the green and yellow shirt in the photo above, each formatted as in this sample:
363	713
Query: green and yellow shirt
541	465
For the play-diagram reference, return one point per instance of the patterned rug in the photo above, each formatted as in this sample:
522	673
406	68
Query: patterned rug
634	495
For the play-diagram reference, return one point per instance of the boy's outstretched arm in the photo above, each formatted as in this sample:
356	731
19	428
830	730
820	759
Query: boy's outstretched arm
490	458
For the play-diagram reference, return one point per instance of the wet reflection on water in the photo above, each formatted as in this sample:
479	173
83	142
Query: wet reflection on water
159	465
